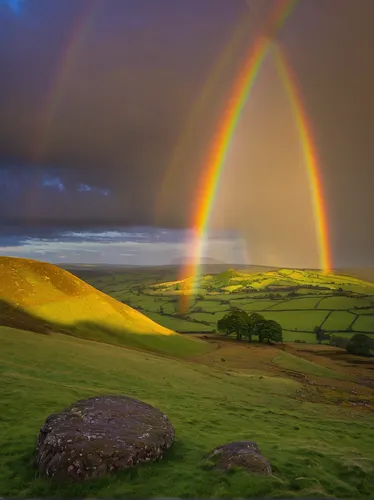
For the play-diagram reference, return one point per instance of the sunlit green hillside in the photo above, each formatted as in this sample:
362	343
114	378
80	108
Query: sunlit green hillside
41	297
300	300
275	280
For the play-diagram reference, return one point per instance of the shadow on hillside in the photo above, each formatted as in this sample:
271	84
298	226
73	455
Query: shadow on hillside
341	355
14	316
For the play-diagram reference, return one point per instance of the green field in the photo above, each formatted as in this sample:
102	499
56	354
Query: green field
292	336
299	303
291	362
364	323
304	321
343	303
316	449
339	320
299	300
211	305
253	305
208	317
369	310
175	323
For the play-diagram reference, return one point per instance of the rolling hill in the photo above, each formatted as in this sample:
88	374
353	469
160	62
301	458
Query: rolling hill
300	300
44	298
190	260
233	281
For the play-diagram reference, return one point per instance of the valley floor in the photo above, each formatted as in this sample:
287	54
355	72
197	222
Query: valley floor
309	408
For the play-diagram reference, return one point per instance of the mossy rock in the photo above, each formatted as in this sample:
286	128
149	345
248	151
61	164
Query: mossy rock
99	435
239	454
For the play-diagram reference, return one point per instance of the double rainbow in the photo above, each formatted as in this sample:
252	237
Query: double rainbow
66	63
218	152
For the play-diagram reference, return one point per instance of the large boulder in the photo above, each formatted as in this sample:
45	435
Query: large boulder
244	454
99	435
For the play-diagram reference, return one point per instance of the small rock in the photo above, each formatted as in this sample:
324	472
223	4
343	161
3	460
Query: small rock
245	454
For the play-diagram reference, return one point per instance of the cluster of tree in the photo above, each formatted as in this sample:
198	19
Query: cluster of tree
340	293
320	334
361	345
247	326
340	342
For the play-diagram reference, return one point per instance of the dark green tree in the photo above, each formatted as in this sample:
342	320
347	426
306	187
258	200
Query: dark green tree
361	345
236	321
271	331
319	333
255	324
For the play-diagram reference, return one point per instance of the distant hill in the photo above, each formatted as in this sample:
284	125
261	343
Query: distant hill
237	280
363	273
43	298
204	261
77	268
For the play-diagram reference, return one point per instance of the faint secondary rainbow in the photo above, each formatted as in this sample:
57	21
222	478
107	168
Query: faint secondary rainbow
195	115
64	68
310	155
218	152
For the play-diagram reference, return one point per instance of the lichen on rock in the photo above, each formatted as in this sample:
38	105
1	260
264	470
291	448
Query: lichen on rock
99	435
243	454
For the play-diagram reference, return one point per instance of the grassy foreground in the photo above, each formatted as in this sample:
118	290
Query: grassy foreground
315	449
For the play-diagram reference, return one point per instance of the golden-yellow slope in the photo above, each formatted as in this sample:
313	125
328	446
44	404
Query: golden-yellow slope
55	295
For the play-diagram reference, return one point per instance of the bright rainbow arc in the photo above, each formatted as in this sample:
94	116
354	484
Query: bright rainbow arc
68	59
216	160
310	155
218	153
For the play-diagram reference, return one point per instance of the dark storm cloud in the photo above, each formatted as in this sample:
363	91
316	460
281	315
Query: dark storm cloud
123	106
126	99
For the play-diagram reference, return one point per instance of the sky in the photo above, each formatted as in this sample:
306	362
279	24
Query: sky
95	97
131	246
